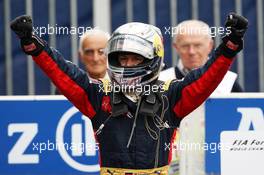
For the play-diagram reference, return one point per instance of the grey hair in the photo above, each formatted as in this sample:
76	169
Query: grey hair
92	32
192	26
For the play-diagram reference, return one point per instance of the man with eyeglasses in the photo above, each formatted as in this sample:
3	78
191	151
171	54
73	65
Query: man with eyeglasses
92	53
193	43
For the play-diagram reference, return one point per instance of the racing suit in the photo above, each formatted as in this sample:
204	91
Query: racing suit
144	152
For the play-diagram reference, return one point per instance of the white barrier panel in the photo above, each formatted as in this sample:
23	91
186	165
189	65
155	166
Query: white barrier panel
242	152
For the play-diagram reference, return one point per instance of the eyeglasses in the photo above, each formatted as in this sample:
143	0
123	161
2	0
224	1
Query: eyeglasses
187	47
90	52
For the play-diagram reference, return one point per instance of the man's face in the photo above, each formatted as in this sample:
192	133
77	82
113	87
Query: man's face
193	49
93	56
130	59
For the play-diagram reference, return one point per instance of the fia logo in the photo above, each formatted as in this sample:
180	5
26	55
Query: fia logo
80	146
251	116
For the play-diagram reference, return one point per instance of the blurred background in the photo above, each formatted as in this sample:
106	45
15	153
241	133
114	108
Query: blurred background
18	75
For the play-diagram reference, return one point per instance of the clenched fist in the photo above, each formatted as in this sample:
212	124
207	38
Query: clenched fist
22	26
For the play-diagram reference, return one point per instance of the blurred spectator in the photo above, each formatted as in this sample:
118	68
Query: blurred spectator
92	53
193	43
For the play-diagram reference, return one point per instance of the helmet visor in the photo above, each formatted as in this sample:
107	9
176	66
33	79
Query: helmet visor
130	43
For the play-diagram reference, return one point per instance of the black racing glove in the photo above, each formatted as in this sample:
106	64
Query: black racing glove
233	40
31	44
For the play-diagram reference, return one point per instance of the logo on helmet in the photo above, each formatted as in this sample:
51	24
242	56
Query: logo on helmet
158	46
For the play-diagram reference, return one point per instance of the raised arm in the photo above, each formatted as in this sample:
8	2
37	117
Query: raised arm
68	78
196	87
